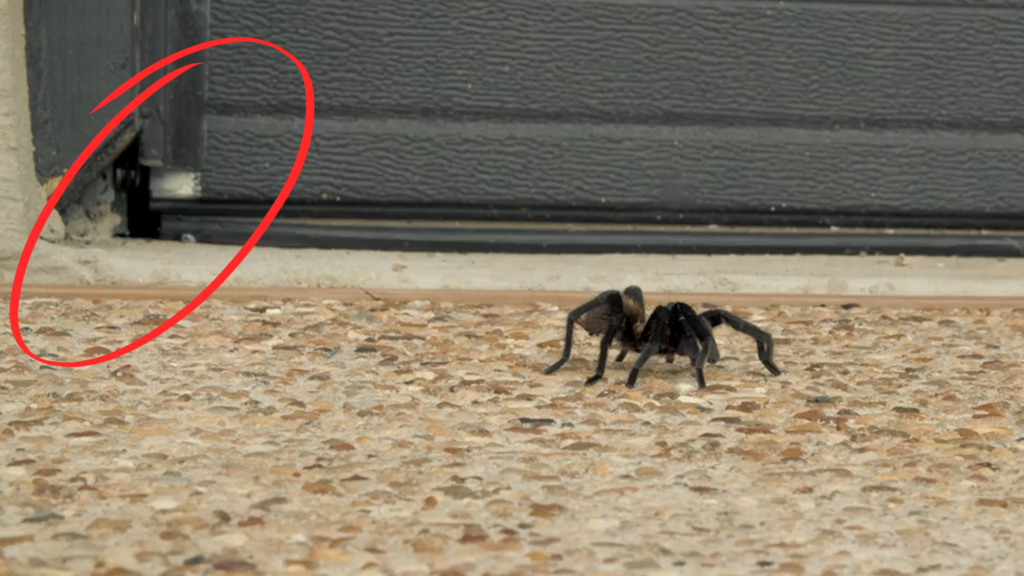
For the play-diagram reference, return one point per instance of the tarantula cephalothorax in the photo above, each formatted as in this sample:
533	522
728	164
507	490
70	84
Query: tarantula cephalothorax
674	328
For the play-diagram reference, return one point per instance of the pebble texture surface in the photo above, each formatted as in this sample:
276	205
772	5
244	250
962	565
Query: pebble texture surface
422	438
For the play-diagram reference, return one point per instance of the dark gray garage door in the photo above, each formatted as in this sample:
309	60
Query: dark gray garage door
633	112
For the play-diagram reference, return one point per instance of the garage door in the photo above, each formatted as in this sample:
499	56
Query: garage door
612	125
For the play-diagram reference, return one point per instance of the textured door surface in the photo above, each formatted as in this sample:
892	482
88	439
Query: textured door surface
824	108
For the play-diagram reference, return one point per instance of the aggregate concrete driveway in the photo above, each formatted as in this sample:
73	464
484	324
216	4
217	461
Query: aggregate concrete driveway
374	438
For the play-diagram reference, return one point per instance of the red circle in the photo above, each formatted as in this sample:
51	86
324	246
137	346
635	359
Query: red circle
243	252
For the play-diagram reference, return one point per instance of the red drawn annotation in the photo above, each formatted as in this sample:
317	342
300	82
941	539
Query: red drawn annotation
300	159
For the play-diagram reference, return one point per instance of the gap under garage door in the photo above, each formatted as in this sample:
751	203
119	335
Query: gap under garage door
505	237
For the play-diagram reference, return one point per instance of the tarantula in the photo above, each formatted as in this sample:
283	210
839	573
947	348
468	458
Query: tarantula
674	328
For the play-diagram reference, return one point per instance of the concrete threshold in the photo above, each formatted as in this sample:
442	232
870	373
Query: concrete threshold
154	269
499	297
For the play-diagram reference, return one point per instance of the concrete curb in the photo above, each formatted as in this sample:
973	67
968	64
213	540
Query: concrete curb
499	297
137	263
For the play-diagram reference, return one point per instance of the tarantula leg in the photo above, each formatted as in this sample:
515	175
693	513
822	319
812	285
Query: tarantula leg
622	355
707	351
653	333
765	344
670	358
689	344
613	328
574	316
713	355
689	347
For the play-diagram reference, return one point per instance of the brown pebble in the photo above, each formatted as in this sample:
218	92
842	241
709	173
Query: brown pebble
429	544
473	533
15	540
745	406
320	487
791	568
538	557
995	431
115	524
26	424
878	488
438	430
647	472
793	453
504	545
96	351
582	446
458	492
546	510
812	415
339	445
233	566
170	535
728	420
263	504
999	407
119	571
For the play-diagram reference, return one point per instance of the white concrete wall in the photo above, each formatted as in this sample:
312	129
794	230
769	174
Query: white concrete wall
21	196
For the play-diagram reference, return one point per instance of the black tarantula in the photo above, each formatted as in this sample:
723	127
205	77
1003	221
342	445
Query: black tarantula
672	329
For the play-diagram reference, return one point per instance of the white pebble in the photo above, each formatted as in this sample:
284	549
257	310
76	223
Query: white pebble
234	539
602	523
163	504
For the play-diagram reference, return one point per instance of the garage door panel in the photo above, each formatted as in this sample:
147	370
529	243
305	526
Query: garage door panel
808	64
619	166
